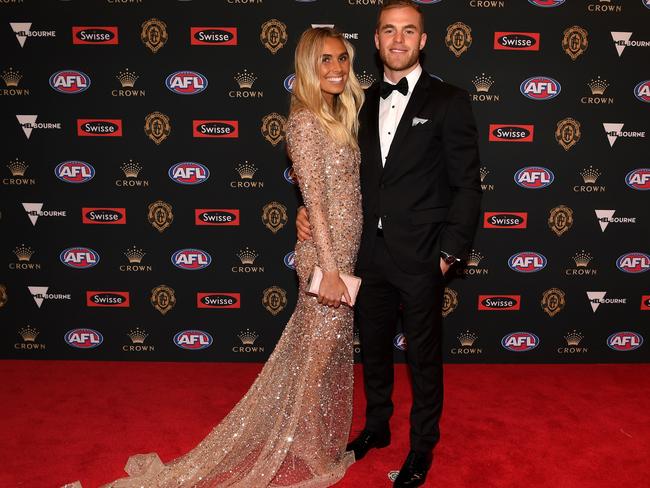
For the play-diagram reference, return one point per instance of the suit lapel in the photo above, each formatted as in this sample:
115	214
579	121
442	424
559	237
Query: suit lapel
373	126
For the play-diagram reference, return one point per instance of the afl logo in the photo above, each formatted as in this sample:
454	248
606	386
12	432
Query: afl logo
638	179
74	171
189	173
540	88
527	262
642	91
400	342
289	81
534	177
290	175
83	338
511	133
290	260
79	257
547	3
633	262
625	341
70	81
191	259
193	340
520	341
186	82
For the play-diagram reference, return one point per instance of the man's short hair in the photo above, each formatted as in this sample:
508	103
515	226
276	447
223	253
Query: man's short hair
389	4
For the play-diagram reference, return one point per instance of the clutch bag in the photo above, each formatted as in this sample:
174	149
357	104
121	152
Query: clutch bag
351	282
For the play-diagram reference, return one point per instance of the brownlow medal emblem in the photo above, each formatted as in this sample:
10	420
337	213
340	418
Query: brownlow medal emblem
274	35
274	216
154	34
458	38
274	299
575	41
553	301
163	298
567	133
449	301
160	215
157	127
560	219
3	295
273	127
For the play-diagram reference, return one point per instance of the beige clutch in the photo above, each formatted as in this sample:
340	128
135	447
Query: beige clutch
351	282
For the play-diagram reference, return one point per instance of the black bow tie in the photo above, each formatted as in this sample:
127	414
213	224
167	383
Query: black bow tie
387	88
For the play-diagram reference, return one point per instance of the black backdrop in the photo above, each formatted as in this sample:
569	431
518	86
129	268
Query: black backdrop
91	216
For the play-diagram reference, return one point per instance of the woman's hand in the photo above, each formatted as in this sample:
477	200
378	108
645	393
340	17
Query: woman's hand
332	288
303	226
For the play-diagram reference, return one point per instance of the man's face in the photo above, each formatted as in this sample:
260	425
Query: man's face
399	38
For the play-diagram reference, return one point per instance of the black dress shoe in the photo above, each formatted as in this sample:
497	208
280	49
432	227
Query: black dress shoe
366	441
414	471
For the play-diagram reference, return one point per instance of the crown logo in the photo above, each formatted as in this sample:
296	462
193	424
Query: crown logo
134	255
29	333
247	337
245	79
483	83
356	339
582	259
573	338
474	258
23	252
17	168
467	338
484	172
598	86
127	78
246	171
365	79
137	335
11	77
131	169
246	256
590	174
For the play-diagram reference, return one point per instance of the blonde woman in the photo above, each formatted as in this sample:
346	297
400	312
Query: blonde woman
290	429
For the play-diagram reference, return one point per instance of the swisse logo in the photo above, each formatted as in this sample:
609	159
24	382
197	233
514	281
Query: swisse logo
216	216
74	171
94	35
516	41
642	91
79	257
625	341
633	262
118	299
70	81
534	177
193	340
499	302
505	220
189	173
527	262
645	302
290	260
540	88
218	300
511	133
186	82
520	341
191	259
638	179
215	128
289	81
83	338
99	127
103	215
213	36
547	3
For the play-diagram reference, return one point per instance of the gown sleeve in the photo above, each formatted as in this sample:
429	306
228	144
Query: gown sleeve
306	145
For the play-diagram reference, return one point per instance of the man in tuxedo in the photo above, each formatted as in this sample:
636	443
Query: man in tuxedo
421	195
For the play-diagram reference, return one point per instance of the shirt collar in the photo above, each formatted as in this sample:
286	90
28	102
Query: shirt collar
412	78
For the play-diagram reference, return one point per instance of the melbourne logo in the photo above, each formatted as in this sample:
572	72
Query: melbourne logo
625	341
520	341
216	128
191	259
193	340
218	300
516	41
642	91
633	263
28	124
23	30
534	177
83	338
606	217
119	299
527	262
99	127
511	133
70	81
638	179
540	88
95	35
74	171
189	173
597	298
499	302
216	216
186	82
79	257
35	210
622	40
505	220
615	131
213	36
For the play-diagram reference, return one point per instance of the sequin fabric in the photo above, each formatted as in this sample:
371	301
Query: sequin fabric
291	428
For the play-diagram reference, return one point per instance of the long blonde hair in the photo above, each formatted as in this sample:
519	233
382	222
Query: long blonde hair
341	121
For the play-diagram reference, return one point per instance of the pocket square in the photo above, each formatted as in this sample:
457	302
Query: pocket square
418	121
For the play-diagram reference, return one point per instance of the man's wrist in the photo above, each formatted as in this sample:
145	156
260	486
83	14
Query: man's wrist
449	258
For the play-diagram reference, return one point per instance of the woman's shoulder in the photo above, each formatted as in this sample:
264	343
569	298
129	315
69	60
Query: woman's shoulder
303	118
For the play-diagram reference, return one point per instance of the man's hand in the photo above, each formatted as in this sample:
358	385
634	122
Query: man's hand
303	227
444	267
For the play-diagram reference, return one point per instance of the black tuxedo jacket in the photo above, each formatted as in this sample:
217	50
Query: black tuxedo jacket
429	191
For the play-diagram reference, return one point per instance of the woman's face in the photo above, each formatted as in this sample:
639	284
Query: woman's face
334	68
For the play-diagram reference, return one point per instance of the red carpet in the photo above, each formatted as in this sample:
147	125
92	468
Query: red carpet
519	426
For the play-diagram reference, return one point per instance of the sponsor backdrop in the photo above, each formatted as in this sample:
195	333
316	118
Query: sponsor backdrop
147	202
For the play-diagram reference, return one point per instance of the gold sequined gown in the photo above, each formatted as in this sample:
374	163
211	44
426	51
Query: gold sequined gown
291	428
